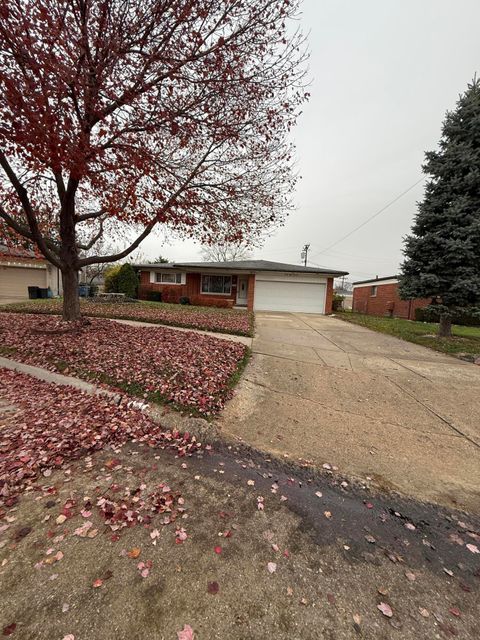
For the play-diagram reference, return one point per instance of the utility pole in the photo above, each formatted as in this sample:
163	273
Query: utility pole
304	253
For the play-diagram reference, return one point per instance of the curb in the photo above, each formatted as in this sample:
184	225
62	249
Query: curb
203	430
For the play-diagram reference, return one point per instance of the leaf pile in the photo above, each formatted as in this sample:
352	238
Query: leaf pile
56	424
190	370
232	321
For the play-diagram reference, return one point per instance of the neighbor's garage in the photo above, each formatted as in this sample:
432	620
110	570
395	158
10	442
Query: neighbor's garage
290	292
14	281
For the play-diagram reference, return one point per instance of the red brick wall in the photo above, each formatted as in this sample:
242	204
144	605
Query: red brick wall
250	292
329	296
386	303
191	289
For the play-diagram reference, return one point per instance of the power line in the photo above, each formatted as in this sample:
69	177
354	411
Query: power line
334	244
343	254
362	273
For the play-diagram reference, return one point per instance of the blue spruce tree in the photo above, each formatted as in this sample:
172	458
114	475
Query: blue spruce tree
442	254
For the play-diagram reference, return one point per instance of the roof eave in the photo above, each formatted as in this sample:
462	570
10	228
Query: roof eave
236	269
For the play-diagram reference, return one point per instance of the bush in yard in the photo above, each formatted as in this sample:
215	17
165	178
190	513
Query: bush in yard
170	294
184	300
221	303
154	296
463	318
127	280
442	255
337	302
111	279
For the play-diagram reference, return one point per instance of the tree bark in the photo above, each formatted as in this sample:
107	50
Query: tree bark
445	326
71	301
69	253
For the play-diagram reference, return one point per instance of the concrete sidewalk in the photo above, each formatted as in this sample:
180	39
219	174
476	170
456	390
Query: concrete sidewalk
323	390
222	336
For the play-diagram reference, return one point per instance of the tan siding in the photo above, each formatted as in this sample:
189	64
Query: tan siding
14	281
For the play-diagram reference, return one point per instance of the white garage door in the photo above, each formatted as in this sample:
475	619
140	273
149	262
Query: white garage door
289	296
14	281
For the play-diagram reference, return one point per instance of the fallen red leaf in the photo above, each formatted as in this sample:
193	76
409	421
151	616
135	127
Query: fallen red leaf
9	629
385	609
186	633
213	587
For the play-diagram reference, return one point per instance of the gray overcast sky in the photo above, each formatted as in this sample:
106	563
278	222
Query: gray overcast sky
384	73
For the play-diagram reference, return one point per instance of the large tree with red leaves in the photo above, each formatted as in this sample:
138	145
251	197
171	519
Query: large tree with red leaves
117	116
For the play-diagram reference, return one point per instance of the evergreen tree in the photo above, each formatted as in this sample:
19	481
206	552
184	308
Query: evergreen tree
111	278
127	280
442	254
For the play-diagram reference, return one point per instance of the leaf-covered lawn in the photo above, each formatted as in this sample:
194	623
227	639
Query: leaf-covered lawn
45	426
234	321
163	365
466	340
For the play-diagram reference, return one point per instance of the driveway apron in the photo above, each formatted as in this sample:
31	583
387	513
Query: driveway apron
393	414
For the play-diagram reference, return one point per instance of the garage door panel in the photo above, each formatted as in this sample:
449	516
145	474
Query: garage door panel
289	296
14	281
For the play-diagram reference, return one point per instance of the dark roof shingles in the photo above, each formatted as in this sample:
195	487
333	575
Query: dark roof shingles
246	265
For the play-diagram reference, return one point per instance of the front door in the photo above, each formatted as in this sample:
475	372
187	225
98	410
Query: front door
242	290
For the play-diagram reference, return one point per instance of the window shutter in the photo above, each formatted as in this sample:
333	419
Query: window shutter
152	276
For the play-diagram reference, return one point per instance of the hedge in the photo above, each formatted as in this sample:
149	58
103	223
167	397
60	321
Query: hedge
427	314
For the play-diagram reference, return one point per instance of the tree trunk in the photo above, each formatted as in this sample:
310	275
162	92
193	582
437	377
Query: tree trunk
71	301
445	326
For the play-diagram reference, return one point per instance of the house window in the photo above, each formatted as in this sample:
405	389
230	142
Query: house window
168	278
217	284
373	290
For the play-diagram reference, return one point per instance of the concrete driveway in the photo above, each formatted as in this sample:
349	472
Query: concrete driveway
322	390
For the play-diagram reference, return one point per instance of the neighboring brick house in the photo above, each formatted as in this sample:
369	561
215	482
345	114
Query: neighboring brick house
258	285
380	297
22	268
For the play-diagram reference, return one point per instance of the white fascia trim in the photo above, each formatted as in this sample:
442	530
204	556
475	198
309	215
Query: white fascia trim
23	265
376	283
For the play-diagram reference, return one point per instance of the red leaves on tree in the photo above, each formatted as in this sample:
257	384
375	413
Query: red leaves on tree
173	114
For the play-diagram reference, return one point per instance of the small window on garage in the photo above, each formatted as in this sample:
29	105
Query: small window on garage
373	290
217	284
169	278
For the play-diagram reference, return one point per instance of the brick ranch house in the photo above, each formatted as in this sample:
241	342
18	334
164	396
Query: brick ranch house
379	297
258	285
22	268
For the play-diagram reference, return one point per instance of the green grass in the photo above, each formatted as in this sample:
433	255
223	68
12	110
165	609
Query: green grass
465	341
7	351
